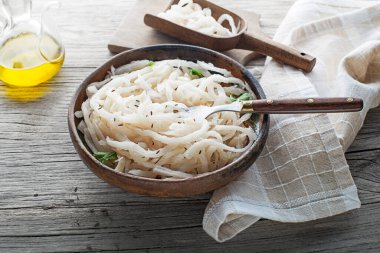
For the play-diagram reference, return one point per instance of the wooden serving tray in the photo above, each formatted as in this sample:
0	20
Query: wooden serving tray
133	33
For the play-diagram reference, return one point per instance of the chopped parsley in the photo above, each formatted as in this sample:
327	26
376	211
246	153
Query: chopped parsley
105	157
242	97
151	63
195	72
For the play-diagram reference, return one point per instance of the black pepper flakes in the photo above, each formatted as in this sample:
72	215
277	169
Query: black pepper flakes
158	160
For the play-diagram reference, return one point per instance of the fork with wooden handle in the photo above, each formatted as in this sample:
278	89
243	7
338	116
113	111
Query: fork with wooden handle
282	106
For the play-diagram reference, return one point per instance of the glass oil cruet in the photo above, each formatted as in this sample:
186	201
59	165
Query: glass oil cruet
31	52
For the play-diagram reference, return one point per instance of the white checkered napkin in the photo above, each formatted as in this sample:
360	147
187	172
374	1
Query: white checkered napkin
302	173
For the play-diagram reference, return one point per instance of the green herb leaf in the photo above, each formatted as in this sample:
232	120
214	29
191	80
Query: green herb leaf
245	96
242	97
195	72
105	157
151	63
232	99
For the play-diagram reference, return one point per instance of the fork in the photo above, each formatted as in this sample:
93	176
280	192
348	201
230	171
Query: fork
281	106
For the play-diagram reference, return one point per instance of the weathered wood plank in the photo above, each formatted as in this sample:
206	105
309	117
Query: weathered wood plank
50	202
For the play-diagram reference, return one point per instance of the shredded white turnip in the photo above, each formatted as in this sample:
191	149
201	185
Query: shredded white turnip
191	15
135	113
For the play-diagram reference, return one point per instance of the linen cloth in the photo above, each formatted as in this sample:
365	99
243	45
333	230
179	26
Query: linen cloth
302	173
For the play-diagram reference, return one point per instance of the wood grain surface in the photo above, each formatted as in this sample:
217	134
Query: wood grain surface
50	202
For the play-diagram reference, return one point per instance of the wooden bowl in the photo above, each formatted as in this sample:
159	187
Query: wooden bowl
175	187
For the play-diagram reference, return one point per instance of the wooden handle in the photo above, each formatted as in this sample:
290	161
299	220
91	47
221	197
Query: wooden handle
303	105
280	52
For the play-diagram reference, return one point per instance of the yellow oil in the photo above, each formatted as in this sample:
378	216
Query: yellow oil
24	94
23	65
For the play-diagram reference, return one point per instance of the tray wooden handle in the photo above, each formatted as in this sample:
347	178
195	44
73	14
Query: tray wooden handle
304	105
280	52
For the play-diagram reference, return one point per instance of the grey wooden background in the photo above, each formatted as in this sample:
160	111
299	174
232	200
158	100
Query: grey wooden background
50	202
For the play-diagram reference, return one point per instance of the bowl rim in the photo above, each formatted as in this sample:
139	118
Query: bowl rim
74	133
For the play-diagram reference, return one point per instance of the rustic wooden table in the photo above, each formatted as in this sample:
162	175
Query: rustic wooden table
50	202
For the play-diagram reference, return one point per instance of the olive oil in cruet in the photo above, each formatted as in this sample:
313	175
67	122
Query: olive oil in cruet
30	52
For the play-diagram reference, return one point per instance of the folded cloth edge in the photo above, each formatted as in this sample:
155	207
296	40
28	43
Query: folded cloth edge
214	221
